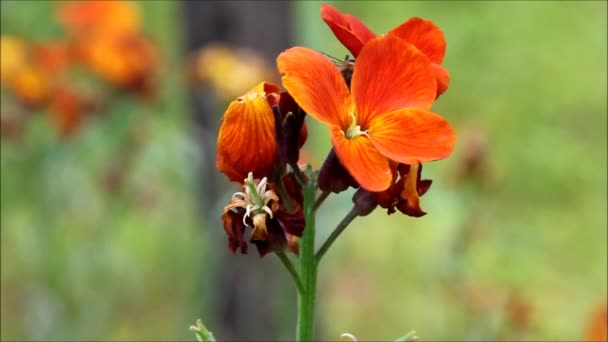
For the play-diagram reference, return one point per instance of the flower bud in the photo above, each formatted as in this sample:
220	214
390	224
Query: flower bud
364	201
333	176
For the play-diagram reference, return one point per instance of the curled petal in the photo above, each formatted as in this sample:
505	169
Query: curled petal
362	160
412	135
235	229
316	85
442	75
349	30
425	35
391	74
246	141
409	203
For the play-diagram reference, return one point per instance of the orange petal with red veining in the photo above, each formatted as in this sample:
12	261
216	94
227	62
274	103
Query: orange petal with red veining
349	30
412	135
362	160
391	74
316	85
246	141
425	35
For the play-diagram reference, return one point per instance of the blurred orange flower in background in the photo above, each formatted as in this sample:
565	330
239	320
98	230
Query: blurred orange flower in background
99	17
28	81
229	70
383	117
597	326
108	39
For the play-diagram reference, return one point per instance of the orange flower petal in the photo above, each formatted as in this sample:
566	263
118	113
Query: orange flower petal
425	35
412	135
362	160
391	74
349	30
316	85
443	78
246	141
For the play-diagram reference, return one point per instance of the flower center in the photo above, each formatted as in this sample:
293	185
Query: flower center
353	130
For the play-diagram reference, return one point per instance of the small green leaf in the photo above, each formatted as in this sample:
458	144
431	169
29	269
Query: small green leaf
202	334
409	337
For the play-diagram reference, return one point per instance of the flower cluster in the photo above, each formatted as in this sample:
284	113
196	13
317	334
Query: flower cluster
104	38
377	108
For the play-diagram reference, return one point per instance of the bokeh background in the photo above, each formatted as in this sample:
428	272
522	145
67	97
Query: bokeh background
110	206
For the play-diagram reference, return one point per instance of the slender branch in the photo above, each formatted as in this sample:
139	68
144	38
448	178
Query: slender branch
298	173
337	231
320	200
292	270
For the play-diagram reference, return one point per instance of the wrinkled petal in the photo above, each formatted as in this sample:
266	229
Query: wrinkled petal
316	85
425	35
442	75
234	227
412	135
410	199
391	74
246	141
349	30
362	160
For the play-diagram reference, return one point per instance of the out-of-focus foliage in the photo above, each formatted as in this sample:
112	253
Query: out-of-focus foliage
101	238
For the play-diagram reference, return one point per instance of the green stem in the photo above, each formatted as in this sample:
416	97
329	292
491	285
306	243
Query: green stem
321	199
292	270
308	268
298	173
337	231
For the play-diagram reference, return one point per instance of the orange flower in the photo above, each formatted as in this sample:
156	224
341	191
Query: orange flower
108	17
128	61
597	326
246	141
423	34
385	115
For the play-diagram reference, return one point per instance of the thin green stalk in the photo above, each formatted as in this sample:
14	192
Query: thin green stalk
337	231
292	270
298	173
321	199
308	268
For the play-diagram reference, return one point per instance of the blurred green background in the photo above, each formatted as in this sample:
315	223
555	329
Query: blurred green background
513	247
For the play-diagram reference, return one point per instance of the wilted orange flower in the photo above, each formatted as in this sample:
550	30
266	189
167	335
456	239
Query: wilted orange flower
259	208
423	34
383	117
258	130
246	141
93	17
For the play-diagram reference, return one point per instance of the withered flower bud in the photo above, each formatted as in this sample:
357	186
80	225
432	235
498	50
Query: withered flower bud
291	132
260	209
364	201
333	176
